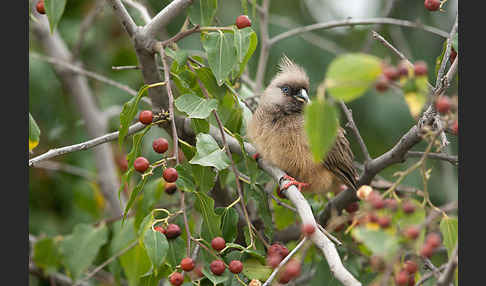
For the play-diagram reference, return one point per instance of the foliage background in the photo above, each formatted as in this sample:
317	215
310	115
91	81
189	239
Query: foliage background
58	201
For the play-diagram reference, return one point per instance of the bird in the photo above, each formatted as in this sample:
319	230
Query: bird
276	129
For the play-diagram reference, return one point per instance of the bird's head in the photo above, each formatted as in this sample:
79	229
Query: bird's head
289	89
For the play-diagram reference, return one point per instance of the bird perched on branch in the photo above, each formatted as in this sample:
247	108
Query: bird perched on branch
277	131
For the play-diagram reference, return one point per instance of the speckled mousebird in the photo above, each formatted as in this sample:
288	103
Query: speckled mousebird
277	131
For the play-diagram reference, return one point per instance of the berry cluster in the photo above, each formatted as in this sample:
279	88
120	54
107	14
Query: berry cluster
391	73
406	276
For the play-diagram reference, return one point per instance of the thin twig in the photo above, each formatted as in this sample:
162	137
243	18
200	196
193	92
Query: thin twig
108	261
228	153
175	140
87	73
141	8
439	156
354	128
84	145
356	22
284	261
440	73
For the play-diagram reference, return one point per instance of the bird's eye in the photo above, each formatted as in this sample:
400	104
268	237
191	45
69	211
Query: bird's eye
285	89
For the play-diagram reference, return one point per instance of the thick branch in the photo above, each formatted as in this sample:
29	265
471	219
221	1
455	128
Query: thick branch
165	16
125	18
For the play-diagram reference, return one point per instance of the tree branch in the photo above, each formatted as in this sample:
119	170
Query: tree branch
81	93
356	22
362	145
165	16
439	156
125	18
84	145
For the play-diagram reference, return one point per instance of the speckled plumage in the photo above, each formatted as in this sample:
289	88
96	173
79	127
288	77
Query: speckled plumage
277	131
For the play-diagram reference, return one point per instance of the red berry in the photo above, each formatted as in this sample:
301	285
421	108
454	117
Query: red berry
339	227
187	264
443	104
273	260
455	127
160	145
452	55
382	84
391	73
170	188
384	221
160	229
391	204
372	217
432	5
352	207
141	164
170	175
427	251
433	239
401	278
410	266
122	162
146	117
198	271
278	249
412	232
284	278
420	68
408	207
293	268
218	243
217	267
235	266
40	7
176	279
308	229
378	203
243	21
172	231
403	68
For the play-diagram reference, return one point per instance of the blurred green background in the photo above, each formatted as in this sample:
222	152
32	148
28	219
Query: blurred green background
58	201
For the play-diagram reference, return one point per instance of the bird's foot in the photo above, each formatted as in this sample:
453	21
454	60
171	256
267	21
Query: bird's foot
256	156
294	182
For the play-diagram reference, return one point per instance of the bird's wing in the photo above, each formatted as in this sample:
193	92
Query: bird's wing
339	160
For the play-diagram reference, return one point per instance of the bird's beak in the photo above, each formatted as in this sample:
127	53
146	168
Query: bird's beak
302	96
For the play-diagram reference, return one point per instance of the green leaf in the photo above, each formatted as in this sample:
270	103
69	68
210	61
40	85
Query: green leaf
179	56
350	75
205	177
156	246
135	263
128	112
34	133
133	195
200	125
46	255
321	125
206	76
230	113
209	154
195	106
177	251
378	241
54	11
229	223
254	269
448	227
185	181
246	42
221	53
80	248
215	278
211	221
203	11
263	208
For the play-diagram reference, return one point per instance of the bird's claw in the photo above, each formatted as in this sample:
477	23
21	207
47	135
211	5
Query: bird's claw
294	182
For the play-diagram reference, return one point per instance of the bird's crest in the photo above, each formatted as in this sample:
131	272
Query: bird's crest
290	73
